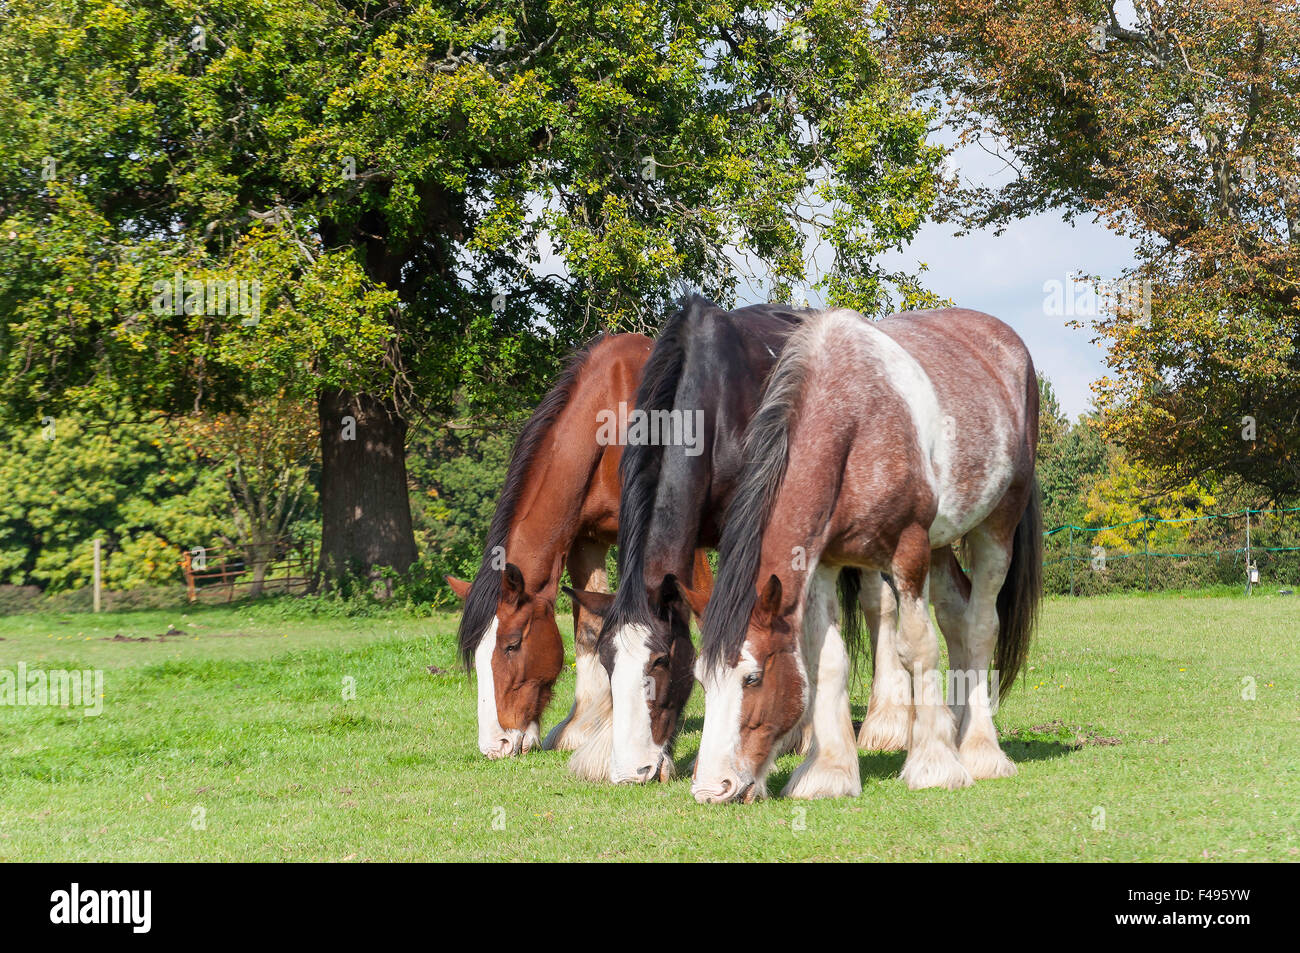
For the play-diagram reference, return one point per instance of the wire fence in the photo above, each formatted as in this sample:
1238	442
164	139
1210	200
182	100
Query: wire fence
1250	548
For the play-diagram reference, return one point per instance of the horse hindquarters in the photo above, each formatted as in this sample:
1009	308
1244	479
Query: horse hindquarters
990	621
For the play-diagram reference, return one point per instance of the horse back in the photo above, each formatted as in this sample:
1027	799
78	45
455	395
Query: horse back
983	438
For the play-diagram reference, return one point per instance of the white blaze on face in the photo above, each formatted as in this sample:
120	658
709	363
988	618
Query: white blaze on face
490	732
631	688
715	765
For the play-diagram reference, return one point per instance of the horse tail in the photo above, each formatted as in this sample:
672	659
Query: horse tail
852	630
1021	594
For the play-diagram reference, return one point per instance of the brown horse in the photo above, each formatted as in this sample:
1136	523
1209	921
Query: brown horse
558	509
877	446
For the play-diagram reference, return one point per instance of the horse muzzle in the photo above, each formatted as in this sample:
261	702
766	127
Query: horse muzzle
725	790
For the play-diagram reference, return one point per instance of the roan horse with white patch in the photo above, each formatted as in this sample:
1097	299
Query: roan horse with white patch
557	509
878	446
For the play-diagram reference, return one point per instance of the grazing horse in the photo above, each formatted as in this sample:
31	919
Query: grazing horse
558	508
878	446
708	365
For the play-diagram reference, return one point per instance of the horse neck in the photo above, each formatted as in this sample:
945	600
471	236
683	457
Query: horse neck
560	482
802	519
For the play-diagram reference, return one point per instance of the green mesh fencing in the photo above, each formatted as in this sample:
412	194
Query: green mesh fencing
1156	554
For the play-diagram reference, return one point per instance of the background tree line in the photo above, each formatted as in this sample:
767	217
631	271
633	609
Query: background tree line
153	489
436	203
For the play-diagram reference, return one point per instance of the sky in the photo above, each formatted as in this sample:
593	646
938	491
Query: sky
1004	275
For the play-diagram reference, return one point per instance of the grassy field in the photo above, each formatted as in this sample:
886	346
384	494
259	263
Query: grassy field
233	741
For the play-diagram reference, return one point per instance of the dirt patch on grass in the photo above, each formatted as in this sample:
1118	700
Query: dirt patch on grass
171	633
1075	736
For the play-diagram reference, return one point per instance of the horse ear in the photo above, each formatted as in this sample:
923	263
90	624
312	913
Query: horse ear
458	586
696	600
769	600
597	603
513	590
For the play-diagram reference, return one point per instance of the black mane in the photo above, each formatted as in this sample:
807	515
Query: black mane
739	554
766	457
639	469
484	593
696	346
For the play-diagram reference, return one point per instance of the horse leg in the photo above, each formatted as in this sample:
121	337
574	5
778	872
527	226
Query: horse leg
932	760
591	697
978	747
889	712
831	767
950	593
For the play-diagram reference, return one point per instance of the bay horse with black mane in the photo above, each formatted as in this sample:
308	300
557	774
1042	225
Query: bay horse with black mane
877	446
710	363
558	509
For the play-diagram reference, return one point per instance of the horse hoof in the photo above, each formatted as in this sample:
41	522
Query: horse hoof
935	767
986	761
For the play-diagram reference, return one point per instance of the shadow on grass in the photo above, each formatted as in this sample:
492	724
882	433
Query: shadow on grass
1020	751
1020	745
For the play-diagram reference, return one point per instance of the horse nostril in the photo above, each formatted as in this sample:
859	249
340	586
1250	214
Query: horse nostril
726	786
645	771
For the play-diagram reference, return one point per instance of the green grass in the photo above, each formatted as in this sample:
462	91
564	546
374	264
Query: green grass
1132	705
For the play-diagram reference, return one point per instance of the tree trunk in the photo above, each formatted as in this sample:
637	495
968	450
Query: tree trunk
259	557
365	510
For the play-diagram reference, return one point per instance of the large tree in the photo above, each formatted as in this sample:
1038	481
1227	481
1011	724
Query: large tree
1176	124
433	200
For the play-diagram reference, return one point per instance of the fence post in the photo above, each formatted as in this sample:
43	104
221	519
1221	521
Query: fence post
1248	587
1071	559
98	575
1146	550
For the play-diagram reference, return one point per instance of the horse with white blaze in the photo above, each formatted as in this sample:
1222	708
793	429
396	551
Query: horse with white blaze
557	510
878	446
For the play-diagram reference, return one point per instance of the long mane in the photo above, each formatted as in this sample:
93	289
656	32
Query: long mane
641	464
485	591
767	444
766	454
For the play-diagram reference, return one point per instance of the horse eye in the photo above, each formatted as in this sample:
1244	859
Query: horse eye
659	661
513	646
753	678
